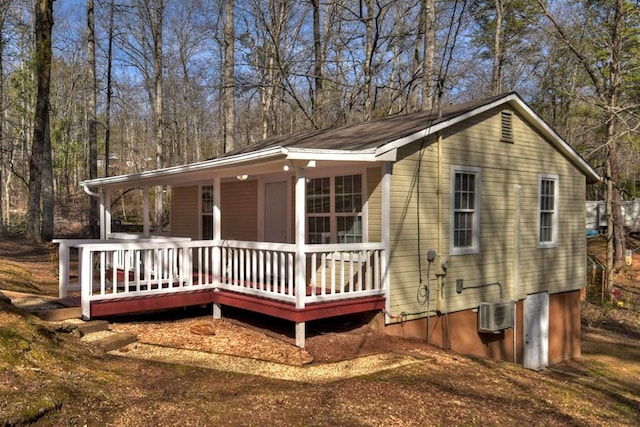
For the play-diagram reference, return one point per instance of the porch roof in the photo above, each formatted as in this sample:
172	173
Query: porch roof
371	141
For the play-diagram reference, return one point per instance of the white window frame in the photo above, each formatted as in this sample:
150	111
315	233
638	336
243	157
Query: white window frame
332	214
554	212
475	236
202	214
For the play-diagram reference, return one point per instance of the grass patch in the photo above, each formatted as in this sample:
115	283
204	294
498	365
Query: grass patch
15	278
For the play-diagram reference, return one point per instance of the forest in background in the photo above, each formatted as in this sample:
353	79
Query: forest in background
143	84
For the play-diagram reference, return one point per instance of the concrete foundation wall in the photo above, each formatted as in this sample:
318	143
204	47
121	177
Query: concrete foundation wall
459	331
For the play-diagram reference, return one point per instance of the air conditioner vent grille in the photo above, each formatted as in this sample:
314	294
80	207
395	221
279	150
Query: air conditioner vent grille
495	316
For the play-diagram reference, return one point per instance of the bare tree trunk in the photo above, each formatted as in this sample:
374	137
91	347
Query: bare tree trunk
318	61
4	5
367	18
107	132
43	28
496	66
158	105
428	53
94	228
228	96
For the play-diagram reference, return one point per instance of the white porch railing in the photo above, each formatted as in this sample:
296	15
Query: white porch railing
127	268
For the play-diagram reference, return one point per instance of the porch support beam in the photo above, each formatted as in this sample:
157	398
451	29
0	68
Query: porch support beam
300	261
300	334
386	230
217	236
145	211
105	214
301	258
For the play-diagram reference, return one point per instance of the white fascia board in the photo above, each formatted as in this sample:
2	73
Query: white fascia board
336	155
212	164
387	156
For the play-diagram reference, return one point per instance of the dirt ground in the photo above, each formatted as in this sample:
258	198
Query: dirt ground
53	378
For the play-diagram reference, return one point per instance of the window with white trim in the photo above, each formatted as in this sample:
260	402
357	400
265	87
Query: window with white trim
548	211
334	209
206	214
465	206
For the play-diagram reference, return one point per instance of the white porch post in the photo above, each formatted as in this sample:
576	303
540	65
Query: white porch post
386	231
301	260
145	211
105	215
85	275
217	235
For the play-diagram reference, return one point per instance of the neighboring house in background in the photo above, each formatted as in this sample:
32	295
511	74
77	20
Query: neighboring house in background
464	227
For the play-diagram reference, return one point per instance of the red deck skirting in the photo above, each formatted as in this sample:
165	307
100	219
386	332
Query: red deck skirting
129	305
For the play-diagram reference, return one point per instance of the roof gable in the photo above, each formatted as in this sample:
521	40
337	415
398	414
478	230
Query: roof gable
370	141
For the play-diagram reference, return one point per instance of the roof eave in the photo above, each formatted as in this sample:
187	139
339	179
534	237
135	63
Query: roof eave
213	164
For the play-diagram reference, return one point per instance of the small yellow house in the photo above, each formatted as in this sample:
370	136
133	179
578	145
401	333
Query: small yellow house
464	227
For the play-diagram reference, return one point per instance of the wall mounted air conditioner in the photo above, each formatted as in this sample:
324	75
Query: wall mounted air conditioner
495	316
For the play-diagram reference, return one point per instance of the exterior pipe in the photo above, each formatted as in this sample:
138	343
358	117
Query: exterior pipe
516	269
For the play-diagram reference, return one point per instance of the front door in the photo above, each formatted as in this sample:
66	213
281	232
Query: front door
275	215
536	335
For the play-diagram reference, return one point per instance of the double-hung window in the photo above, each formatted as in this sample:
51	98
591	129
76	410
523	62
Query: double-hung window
465	210
334	209
206	213
548	211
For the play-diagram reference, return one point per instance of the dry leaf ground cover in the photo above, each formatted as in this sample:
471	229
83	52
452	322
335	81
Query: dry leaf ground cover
48	377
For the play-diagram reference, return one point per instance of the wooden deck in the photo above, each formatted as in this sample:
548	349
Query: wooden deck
279	309
298	284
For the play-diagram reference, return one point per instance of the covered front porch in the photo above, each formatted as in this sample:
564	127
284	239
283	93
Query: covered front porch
290	267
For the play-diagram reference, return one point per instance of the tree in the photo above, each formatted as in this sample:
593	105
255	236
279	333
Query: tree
229	77
4	7
38	227
604	43
504	34
92	131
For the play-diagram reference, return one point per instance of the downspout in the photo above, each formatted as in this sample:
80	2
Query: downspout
439	192
516	270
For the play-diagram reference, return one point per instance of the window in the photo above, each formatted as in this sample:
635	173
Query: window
548	211
506	118
465	204
206	192
334	209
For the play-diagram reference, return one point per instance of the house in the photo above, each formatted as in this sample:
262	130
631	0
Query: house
464	227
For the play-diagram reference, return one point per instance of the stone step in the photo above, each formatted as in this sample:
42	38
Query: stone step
59	314
115	341
92	326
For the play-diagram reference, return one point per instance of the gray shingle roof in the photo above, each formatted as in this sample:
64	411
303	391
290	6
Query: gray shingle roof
366	135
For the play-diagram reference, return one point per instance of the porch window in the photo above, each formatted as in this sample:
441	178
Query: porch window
207	212
464	207
548	211
334	209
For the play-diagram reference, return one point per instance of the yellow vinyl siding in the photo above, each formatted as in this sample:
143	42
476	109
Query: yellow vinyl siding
476	143
184	212
374	204
239	210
